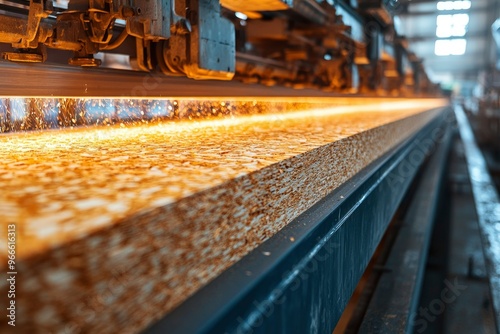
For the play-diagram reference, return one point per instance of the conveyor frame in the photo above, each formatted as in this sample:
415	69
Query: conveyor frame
394	302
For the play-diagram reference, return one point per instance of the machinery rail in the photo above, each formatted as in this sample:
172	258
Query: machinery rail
43	80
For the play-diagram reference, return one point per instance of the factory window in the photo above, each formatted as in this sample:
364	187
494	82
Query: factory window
450	47
452	25
453	5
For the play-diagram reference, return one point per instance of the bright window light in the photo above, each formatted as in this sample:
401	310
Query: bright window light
451	25
442	20
450	47
460	19
453	5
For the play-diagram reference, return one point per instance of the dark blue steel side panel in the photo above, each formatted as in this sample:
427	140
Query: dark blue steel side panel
300	280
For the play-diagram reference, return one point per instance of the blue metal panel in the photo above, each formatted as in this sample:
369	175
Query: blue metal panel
395	299
300	280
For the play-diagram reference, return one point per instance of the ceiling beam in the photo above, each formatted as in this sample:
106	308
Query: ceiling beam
470	73
445	12
466	58
468	35
410	2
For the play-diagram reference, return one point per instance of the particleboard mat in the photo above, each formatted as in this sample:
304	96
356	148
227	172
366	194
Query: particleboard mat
116	226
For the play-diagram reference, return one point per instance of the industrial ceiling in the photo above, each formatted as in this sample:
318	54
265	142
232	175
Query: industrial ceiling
453	37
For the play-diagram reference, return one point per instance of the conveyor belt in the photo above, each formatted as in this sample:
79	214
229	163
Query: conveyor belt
122	224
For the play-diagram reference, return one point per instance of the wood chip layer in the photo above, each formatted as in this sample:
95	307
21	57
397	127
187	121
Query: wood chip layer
117	226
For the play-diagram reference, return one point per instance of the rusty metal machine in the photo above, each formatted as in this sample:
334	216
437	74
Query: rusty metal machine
346	47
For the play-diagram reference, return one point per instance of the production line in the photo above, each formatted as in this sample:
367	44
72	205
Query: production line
189	198
206	166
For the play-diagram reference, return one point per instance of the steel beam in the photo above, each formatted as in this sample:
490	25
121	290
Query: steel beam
66	81
475	34
393	306
436	12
